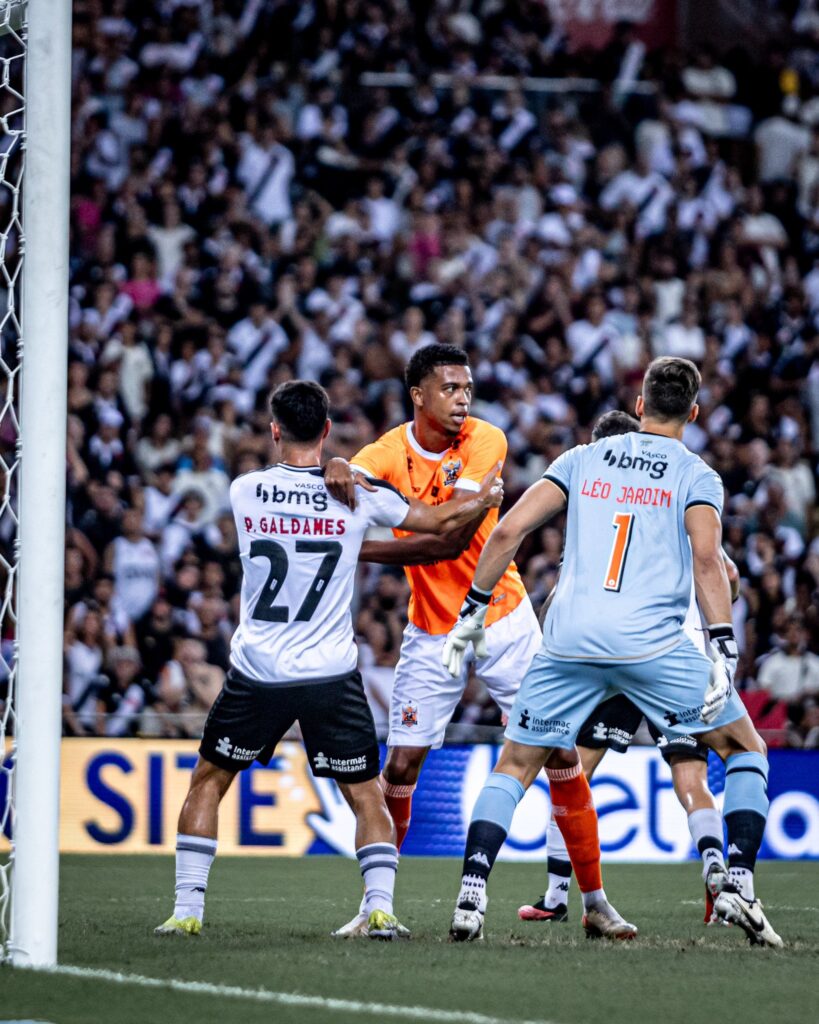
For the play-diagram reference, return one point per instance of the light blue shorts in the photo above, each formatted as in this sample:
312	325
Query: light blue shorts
556	696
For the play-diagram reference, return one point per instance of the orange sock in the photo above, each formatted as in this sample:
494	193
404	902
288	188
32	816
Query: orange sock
399	804
577	820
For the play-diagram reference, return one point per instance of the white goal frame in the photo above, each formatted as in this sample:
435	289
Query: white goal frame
37	690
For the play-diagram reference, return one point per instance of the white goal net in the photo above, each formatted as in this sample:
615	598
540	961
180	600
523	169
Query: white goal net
12	61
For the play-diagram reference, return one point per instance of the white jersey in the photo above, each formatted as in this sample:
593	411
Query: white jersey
136	576
299	549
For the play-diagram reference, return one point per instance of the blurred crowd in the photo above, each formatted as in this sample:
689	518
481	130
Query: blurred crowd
246	209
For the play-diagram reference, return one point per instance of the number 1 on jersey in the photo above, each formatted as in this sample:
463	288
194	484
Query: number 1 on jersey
623	523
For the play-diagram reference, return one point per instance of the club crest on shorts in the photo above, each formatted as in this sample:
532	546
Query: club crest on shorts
452	470
409	714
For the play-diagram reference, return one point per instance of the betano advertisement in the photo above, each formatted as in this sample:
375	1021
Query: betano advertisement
124	797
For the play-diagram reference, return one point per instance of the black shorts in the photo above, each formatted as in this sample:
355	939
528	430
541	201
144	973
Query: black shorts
248	719
613	723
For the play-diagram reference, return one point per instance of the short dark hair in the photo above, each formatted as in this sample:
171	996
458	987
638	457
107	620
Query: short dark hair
612	423
424	361
300	408
670	388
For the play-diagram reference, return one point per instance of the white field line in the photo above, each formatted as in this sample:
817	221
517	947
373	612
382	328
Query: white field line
261	995
768	906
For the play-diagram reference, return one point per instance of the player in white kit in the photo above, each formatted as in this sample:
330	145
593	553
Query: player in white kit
643	516
611	726
293	656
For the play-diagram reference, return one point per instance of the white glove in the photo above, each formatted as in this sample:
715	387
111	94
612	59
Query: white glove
468	629
724	655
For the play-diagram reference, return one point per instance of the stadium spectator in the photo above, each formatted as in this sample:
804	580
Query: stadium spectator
245	210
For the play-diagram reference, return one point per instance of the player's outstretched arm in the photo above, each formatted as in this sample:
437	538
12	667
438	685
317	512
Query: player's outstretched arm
543	500
456	512
420	548
534	508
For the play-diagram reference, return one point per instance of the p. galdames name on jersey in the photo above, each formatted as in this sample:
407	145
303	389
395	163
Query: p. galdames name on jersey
625	587
299	549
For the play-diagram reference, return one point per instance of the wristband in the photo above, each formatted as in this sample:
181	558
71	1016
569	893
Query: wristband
722	637
475	599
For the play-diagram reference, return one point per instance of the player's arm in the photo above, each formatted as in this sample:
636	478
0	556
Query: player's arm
711	582
713	590
537	506
733	575
455	513
421	548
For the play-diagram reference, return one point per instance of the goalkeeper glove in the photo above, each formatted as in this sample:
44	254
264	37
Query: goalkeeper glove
468	629
724	656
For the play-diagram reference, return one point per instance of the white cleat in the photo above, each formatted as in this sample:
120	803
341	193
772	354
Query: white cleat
355	929
732	907
603	922
467	924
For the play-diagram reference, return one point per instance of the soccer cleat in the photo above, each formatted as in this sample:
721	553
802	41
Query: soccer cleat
540	912
354	929
603	922
467	923
715	881
384	926
176	926
732	907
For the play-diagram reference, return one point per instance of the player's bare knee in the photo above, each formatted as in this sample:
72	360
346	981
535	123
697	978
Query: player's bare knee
560	758
363	797
210	778
403	765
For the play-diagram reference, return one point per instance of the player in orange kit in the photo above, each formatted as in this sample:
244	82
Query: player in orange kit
442	450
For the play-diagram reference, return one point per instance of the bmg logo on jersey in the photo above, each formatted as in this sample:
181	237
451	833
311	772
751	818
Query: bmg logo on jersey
311	495
654	467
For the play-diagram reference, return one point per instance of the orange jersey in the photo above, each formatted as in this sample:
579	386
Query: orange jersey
438	590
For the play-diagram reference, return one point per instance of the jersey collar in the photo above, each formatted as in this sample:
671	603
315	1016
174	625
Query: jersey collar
298	469
414	444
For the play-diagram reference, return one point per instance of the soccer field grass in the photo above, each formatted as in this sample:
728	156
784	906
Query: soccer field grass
267	927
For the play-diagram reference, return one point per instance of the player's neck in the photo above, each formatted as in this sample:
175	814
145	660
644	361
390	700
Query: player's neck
664	429
300	454
430	437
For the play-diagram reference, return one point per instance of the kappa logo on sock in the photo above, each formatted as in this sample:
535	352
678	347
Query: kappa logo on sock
224	746
563	887
480	858
733	848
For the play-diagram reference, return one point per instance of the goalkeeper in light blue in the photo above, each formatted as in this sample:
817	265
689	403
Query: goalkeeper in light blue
643	515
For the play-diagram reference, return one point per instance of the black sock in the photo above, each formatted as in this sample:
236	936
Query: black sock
745	830
483	841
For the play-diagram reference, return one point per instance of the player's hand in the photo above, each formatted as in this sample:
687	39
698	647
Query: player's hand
469	629
724	657
491	491
341	481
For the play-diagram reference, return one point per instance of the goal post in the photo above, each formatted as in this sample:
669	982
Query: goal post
37	683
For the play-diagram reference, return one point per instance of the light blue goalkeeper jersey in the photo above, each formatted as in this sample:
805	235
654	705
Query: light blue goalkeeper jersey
625	585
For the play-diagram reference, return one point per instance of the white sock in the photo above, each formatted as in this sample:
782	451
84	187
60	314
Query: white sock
473	890
194	856
559	867
743	879
591	899
705	827
378	863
